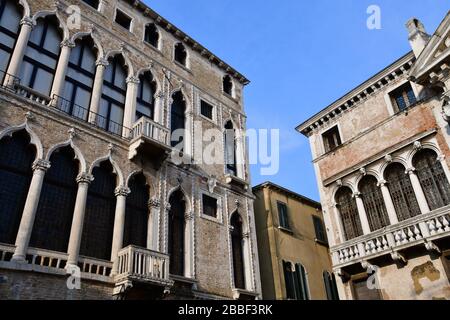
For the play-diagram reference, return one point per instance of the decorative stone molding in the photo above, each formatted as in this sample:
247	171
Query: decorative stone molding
356	195
102	62
388	158
446	111
189	216
26	21
85	178
398	257
41	164
410	171
167	206
212	184
72	133
382	183
154	203
29	116
417	145
432	247
366	265
363	171
133	79
122	191
67	43
339	183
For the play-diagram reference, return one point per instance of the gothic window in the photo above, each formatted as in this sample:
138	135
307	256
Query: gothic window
373	203
145	103
51	229
230	149
99	214
402	192
348	210
227	84
10	15
136	216
288	280
237	250
283	215
432	178
296	282
79	79
151	35
176	232
331	139
16	159
330	286
177	118
403	97
180	53
114	90
41	56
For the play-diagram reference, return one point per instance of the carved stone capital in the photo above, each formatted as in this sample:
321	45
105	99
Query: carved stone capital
388	158
410	171
357	195
382	183
398	257
67	43
154	203
417	145
133	79
41	165
189	216
85	178
26	21
122	191
339	183
432	247
102	62
363	171
167	206
246	235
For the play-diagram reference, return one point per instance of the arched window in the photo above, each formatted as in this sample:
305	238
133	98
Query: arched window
227	85
349	213
10	15
176	232
16	159
295	281
330	286
237	250
51	229
180	53
136	216
41	56
114	90
145	102
373	203
177	117
432	178
99	214
151	35
402	192
230	149
79	79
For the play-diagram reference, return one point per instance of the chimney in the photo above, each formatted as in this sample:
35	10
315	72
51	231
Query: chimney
417	36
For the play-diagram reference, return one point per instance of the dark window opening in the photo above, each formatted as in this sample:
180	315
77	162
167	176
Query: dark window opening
348	210
123	20
373	203
151	35
180	54
228	85
331	139
10	16
92	3
319	229
177	119
230	149
330	286
283	215
403	97
295	281
206	109
176	232
209	206
145	101
238	252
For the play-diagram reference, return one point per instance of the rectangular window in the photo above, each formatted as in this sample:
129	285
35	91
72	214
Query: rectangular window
123	20
331	139
403	97
209	206
320	230
283	215
92	3
206	109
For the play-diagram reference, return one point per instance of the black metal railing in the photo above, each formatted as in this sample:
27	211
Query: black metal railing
81	113
8	81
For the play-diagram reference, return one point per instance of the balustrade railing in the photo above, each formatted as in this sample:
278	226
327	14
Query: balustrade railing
150	129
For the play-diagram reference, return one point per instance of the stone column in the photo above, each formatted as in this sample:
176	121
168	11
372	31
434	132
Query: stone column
97	88
130	105
188	134
152	229
362	213
76	230
40	166
158	109
119	224
421	199
246	261
61	69
19	50
393	219
339	225
188	245
240	162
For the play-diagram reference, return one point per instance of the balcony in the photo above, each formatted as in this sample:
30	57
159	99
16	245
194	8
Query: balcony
150	139
142	267
233	180
427	231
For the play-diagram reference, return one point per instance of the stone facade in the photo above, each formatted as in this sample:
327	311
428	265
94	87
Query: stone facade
208	270
392	120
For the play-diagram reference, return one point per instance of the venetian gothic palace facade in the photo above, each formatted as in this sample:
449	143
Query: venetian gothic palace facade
87	176
382	157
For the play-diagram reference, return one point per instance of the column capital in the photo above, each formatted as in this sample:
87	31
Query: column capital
102	62
26	21
410	171
133	79
246	235
85	178
357	195
67	43
41	164
122	191
382	183
167	206
189	216
160	94
154	203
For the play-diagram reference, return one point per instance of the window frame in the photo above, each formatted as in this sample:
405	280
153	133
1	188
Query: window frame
158	30
232	94
186	64
125	14
324	240
391	106
219	214
287	226
92	7
213	110
336	127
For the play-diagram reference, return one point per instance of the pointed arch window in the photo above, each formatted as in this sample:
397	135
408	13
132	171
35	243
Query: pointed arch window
136	215
296	282
146	96
114	89
151	35
41	56
373	203
329	281
79	80
227	85
230	149
432	178
10	15
51	229
99	216
348	210
237	234
402	192
16	159
180	54
177	118
176	232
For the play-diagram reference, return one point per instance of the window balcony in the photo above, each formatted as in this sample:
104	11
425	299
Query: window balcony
150	139
428	231
233	180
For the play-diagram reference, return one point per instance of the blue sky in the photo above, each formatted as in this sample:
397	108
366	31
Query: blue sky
300	56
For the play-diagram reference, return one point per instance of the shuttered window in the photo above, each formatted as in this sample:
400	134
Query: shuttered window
319	229
283	215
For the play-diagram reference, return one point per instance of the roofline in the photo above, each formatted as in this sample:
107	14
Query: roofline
353	93
269	184
164	23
